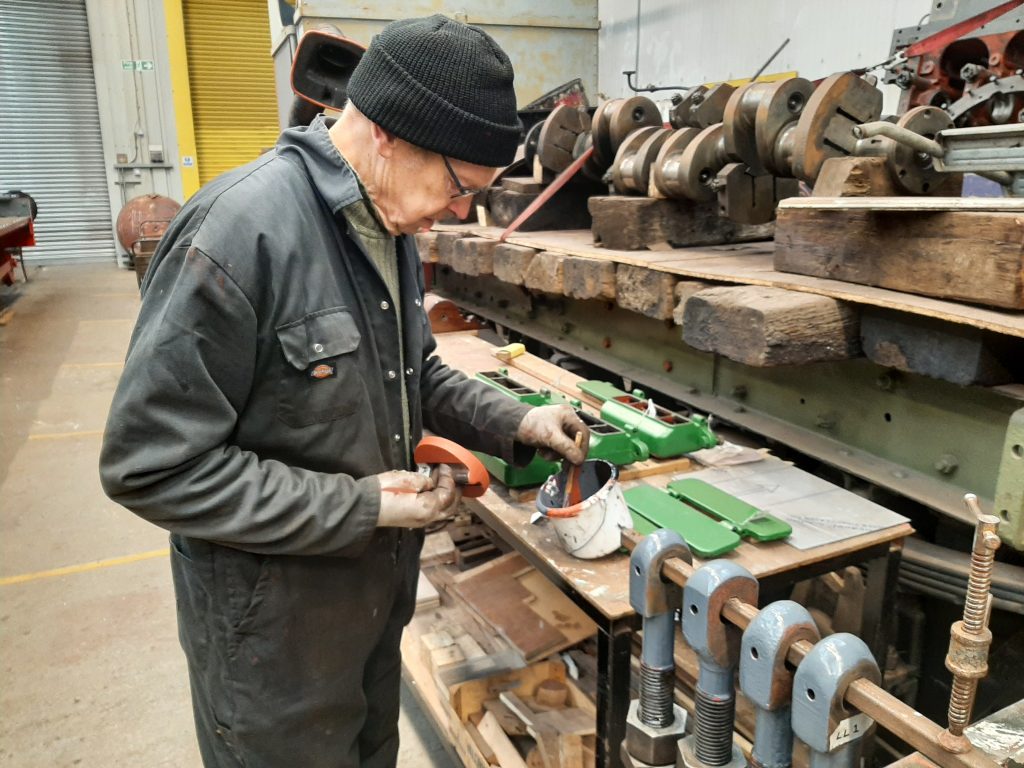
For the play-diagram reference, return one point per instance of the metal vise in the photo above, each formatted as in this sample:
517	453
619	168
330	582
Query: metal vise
655	723
766	680
820	716
717	645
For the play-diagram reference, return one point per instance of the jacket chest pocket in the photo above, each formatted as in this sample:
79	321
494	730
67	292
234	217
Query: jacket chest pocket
321	380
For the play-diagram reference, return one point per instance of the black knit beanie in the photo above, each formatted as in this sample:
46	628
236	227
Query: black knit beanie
440	85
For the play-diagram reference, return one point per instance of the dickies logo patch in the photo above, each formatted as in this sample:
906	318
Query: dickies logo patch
323	371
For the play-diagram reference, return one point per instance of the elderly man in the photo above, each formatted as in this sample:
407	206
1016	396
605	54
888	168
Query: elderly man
280	374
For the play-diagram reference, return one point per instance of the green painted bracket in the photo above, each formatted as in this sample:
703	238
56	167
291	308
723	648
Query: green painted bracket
745	519
667	434
1009	495
607	441
703	535
501	381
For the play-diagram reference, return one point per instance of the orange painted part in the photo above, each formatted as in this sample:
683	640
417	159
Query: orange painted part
438	450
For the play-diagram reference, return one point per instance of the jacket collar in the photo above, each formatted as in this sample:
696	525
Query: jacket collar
332	176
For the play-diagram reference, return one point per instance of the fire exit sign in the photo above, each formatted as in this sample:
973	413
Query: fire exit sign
137	65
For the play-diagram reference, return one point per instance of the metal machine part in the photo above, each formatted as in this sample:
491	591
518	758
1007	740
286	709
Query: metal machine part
655	723
970	639
735	513
703	535
821	718
615	119
767	681
700	107
632	167
717	645
467	469
996	152
558	135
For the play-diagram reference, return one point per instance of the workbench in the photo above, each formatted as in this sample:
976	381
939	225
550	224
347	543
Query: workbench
600	587
16	232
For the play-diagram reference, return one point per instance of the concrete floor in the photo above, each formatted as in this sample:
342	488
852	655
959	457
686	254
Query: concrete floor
92	671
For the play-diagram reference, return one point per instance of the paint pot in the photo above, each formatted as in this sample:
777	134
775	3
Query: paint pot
593	527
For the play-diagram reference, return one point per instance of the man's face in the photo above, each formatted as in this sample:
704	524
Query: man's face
415	188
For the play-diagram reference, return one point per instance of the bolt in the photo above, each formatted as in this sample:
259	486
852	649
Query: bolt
606	342
927	67
677	98
886	382
666	366
968	656
947	464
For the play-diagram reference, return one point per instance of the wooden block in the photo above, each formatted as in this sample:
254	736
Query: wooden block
635	223
511	262
647	291
684	289
502	747
964	255
427	595
474	256
438	548
426	244
510	723
546	273
481	744
470	696
567	209
521	184
445	243
958	353
470	648
588	278
443	657
764	326
551	694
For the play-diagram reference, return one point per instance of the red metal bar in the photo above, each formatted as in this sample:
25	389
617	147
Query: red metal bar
947	36
548	193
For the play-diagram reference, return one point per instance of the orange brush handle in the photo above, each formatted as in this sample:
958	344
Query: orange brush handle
438	450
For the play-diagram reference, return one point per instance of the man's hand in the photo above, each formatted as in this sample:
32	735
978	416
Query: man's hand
412	500
553	429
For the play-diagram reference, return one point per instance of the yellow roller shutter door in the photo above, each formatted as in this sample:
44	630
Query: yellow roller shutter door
231	77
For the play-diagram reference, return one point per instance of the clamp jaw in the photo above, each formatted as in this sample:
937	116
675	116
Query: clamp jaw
767	681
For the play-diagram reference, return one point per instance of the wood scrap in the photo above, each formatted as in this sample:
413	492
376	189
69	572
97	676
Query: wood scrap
427	595
438	548
551	694
469	697
512	724
481	743
502	747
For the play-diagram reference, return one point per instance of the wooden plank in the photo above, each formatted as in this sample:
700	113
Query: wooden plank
567	209
471	696
481	744
645	291
635	223
500	744
963	255
426	594
905	203
474	256
762	327
752	264
438	548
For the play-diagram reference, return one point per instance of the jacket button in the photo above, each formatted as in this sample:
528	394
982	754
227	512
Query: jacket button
392	375
384	305
318	348
409	371
398	438
418	302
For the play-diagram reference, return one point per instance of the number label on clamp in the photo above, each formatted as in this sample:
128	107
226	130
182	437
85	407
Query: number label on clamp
848	730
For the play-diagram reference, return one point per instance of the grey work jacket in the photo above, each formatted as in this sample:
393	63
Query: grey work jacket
260	392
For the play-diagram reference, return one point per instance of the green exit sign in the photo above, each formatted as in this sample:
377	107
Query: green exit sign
137	65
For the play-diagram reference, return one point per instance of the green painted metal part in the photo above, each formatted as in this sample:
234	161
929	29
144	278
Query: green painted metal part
702	534
501	381
745	519
1009	501
668	434
607	441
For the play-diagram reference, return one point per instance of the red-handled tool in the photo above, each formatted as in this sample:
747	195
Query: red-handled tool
469	472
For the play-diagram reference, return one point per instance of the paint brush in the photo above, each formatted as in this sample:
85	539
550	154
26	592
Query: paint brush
573	494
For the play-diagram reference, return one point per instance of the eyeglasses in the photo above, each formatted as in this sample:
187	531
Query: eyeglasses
464	191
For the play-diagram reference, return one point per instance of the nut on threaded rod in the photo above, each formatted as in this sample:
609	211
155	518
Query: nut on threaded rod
970	639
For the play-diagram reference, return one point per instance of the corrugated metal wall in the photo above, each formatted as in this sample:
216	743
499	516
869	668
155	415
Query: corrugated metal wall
231	76
50	143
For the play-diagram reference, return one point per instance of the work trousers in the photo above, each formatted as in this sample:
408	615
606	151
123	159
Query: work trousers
295	661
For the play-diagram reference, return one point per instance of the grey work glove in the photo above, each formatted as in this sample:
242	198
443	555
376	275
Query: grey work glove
553	429
413	500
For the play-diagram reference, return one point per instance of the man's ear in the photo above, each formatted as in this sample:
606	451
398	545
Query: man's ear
384	143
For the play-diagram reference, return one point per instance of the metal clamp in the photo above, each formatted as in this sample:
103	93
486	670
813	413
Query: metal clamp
717	645
767	681
820	716
655	724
